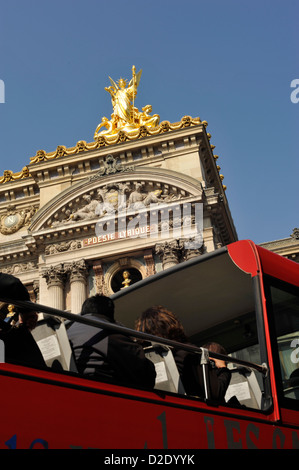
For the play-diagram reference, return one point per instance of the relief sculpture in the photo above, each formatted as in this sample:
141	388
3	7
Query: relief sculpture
115	198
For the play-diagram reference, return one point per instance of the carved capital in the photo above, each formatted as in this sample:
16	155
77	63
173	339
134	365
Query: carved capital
168	252
55	275
191	247
78	271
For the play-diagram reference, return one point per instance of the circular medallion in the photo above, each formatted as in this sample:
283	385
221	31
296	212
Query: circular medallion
10	223
11	220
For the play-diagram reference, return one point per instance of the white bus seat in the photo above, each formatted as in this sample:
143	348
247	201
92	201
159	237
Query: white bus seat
167	377
52	340
244	386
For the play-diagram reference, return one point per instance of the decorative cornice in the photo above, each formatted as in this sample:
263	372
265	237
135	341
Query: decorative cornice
120	137
100	142
9	176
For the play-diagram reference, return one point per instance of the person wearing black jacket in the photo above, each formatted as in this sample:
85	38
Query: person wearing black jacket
19	345
218	374
161	322
102	354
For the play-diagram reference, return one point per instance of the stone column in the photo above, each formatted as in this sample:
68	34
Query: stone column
78	284
169	253
55	277
191	248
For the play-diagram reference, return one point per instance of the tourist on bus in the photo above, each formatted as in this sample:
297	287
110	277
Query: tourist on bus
16	325
104	354
161	322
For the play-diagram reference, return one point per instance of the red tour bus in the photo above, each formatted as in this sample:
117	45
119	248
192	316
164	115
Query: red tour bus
242	296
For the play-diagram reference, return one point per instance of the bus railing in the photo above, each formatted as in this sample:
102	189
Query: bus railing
115	327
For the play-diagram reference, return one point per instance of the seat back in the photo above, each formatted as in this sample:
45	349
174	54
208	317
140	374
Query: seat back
167	377
244	386
52	340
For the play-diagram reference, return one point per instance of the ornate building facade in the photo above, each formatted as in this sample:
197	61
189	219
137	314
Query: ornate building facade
99	216
287	247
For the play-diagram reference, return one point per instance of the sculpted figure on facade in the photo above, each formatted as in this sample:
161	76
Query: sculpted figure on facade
146	120
140	200
295	233
87	211
63	246
114	198
125	117
111	198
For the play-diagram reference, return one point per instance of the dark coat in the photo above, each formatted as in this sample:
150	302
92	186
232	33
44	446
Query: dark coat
191	372
20	346
108	355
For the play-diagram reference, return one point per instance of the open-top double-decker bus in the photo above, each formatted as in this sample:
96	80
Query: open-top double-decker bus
242	296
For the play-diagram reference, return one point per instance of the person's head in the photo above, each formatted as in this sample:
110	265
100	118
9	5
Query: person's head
161	322
218	349
122	83
99	304
215	347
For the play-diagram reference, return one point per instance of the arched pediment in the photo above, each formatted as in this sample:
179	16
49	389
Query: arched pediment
145	184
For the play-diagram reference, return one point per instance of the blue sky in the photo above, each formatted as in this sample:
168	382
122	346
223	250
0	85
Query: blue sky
230	63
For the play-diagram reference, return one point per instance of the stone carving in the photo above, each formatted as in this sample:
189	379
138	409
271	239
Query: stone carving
174	251
110	167
295	234
114	198
13	220
19	268
63	246
149	264
78	271
55	275
99	278
169	253
85	212
191	247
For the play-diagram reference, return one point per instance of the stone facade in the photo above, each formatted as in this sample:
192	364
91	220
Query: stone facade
76	219
287	247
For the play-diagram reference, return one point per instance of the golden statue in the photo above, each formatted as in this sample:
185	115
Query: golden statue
126	116
11	310
126	282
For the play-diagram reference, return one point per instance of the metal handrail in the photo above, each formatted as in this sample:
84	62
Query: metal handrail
26	304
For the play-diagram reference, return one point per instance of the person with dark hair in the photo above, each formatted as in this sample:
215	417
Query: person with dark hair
161	322
16	325
219	374
103	354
